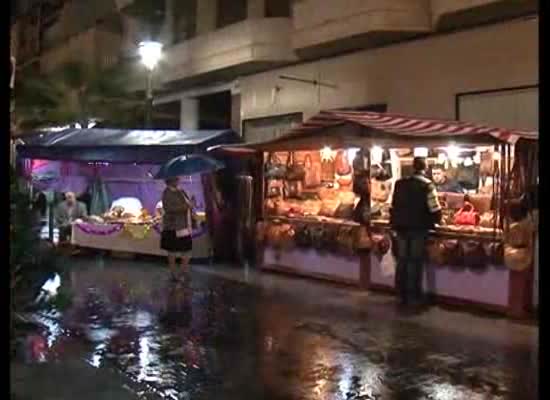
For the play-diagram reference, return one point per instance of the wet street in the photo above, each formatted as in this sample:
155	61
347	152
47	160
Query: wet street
238	334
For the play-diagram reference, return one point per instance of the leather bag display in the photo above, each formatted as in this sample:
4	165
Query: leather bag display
436	252
312	173
274	168
467	215
380	190
329	207
520	234
275	188
293	189
363	240
294	171
342	165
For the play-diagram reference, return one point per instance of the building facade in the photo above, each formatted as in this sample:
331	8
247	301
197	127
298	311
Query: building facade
262	65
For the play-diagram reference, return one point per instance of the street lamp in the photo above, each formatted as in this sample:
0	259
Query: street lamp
150	53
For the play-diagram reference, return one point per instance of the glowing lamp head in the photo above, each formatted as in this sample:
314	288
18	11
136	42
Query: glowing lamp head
150	53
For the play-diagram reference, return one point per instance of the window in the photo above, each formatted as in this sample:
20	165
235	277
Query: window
185	20
277	8
231	12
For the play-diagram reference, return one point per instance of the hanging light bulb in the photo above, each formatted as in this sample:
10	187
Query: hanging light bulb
420	152
376	154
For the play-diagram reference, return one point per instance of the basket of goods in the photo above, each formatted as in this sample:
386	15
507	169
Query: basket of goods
274	168
363	241
494	251
302	235
452	252
467	215
473	254
346	240
436	252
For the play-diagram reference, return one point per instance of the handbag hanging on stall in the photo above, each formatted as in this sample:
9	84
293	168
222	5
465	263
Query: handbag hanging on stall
312	178
274	168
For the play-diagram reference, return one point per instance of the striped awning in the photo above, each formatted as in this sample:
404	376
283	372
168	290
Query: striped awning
409	126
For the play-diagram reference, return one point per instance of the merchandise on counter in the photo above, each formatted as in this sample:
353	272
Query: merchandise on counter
96	219
344	211
467	215
329	207
520	234
344	181
327	170
487	219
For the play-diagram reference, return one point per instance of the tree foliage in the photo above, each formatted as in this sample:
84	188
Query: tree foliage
77	93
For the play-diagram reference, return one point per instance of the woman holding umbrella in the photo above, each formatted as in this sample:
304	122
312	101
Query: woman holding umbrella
176	226
177	208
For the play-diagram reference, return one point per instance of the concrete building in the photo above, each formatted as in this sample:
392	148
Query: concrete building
262	65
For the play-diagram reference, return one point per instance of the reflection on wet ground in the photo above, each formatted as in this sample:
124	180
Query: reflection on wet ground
234	334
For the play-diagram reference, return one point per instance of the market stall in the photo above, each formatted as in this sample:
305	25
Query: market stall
113	170
326	196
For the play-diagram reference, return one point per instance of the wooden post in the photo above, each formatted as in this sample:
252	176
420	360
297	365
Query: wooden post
364	263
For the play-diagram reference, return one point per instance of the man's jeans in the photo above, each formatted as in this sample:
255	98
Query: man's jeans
411	255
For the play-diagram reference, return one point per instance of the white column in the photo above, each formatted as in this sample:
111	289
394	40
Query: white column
189	114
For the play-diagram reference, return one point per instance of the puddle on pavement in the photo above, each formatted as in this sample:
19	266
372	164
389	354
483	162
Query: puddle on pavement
220	339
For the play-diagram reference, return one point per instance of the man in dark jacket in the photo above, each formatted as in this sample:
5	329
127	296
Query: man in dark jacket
415	210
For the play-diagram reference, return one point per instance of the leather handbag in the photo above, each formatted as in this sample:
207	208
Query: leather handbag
294	171
270	207
467	215
293	189
487	219
473	254
342	165
520	233
380	190
481	202
436	252
486	166
494	252
363	240
452	252
275	187
327	171
274	168
345	181
312	177
518	258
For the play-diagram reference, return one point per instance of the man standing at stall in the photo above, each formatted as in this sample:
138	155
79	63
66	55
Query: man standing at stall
68	211
415	210
443	183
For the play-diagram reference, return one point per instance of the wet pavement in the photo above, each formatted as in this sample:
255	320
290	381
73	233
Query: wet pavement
234	333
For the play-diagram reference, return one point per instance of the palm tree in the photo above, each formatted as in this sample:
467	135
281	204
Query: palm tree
76	93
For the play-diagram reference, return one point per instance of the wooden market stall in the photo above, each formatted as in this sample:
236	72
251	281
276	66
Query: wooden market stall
325	194
116	167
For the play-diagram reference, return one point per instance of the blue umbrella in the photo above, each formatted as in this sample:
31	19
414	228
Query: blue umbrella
188	165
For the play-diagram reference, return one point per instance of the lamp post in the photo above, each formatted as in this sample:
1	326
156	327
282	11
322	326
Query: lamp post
150	53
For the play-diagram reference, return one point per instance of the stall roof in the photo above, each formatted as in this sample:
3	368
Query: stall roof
356	128
116	145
